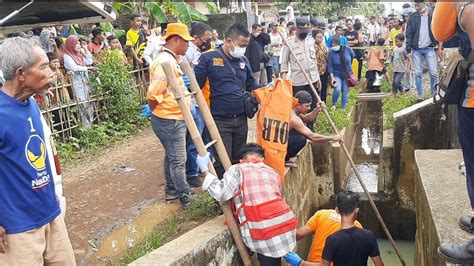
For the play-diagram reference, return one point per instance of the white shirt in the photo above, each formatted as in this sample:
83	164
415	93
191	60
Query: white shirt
192	54
373	30
152	48
276	43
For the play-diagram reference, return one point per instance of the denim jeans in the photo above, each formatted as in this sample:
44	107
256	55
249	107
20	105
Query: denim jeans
191	151
275	64
397	82
343	87
430	57
172	135
466	140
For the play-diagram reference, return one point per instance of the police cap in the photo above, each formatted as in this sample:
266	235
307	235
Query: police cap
302	23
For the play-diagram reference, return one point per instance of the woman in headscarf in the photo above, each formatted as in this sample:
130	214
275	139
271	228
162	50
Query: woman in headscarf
78	60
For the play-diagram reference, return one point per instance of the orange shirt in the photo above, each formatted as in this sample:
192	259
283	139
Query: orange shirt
159	90
443	26
375	56
324	223
273	121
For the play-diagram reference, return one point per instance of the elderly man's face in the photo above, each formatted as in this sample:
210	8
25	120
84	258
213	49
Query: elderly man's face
39	77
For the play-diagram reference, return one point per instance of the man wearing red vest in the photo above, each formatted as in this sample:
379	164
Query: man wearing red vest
267	224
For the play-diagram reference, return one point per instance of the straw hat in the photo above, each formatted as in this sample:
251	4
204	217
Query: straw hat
179	29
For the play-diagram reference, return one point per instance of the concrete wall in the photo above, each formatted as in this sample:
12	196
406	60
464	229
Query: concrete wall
418	127
441	198
309	185
341	165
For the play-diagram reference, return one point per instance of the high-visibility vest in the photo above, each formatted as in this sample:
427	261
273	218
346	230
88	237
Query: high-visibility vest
273	122
266	213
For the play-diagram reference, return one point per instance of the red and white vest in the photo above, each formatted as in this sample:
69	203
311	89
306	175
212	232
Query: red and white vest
259	202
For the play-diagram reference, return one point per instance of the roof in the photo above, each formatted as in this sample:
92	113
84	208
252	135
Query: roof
47	13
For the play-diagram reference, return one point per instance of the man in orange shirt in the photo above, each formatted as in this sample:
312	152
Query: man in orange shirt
323	224
167	120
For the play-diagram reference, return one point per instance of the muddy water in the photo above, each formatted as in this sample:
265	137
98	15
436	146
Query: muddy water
129	235
369	174
407	248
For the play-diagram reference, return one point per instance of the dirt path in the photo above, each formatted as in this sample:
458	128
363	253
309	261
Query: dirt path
102	197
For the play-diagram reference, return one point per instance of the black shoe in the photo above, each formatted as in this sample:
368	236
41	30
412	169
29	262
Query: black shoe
466	223
194	181
171	195
457	254
185	201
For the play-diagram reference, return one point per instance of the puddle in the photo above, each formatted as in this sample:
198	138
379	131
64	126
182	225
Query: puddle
130	234
389	257
369	174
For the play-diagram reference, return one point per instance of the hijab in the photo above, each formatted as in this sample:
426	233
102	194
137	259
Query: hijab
70	50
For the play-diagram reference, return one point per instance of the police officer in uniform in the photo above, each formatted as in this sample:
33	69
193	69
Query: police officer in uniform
304	51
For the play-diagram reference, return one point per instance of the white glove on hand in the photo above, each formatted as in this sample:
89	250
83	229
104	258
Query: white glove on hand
203	162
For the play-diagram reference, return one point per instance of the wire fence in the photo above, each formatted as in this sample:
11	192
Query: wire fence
67	108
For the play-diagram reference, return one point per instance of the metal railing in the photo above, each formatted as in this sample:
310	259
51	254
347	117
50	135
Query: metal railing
62	109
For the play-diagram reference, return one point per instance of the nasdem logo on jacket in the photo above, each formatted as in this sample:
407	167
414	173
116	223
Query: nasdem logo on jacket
35	153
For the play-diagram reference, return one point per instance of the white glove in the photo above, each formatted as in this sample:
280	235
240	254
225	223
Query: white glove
203	162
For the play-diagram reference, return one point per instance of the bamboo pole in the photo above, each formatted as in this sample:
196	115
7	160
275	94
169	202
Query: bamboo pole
201	148
348	155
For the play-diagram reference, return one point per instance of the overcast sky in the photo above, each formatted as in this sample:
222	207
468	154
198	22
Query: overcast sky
396	5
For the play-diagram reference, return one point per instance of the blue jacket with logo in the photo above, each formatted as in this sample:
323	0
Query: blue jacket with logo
221	90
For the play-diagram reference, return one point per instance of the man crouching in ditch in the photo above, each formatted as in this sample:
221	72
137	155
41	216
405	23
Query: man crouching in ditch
266	222
32	231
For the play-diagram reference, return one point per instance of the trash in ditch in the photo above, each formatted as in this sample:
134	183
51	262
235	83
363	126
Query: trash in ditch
114	245
130	241
125	169
92	245
132	229
462	168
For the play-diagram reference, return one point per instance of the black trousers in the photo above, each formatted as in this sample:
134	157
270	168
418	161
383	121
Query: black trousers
324	86
308	89
268	261
233	131
296	142
466	140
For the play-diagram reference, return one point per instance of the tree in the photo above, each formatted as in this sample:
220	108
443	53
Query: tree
165	9
332	9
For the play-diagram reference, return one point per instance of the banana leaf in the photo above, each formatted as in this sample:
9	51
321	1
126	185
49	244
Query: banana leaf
155	9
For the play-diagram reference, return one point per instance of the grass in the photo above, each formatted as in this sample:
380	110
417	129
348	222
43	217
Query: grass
88	141
392	105
202	208
339	116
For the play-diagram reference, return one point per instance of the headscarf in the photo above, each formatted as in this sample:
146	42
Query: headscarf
71	51
45	36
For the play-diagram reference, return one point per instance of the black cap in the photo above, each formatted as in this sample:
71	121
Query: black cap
303	97
302	23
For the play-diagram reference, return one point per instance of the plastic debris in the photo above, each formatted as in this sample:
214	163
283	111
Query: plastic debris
125	169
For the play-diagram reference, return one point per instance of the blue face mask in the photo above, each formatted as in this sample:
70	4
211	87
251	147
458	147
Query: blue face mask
336	48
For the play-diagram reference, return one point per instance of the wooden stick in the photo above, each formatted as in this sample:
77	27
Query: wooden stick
348	155
198	142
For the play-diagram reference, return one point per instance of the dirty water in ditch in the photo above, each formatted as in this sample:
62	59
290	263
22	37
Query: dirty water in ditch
133	233
367	159
367	149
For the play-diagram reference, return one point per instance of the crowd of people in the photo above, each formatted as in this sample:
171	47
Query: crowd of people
307	52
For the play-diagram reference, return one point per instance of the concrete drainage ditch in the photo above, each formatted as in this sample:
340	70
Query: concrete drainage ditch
386	158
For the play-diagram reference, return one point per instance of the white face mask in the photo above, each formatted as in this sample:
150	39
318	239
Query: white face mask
238	52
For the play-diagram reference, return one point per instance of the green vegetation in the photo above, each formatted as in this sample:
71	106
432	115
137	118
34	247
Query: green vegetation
334	9
202	208
392	105
339	116
119	112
